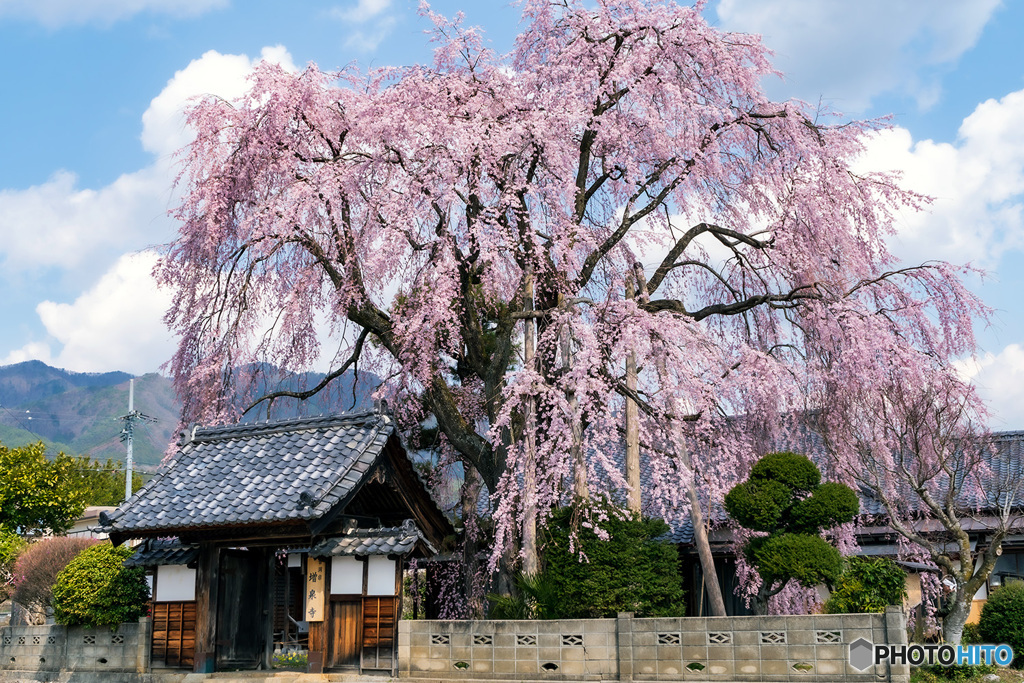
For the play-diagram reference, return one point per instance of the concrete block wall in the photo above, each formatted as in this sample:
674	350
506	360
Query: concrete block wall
790	648
62	648
584	649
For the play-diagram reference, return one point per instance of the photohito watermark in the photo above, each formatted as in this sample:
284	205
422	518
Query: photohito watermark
864	654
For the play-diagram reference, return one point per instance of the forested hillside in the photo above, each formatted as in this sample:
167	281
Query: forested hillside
78	412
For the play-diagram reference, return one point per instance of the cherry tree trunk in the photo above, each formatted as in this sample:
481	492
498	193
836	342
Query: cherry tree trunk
759	602
953	622
470	495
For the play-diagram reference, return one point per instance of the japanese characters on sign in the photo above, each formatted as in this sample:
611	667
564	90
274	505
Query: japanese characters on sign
315	585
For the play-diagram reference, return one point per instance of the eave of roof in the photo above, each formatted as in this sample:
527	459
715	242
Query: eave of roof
400	540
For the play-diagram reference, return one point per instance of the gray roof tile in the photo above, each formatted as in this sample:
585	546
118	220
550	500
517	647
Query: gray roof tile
158	551
241	474
399	540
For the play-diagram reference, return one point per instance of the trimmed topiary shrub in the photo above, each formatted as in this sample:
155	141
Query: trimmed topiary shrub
37	567
792	469
631	571
831	504
96	589
803	558
868	584
785	499
1002	619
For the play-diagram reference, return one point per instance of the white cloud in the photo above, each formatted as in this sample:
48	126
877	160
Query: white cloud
371	23
117	324
225	76
362	11
60	224
58	13
999	379
31	351
977	183
851	52
83	234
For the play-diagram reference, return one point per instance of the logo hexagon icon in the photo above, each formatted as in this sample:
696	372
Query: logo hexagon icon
860	654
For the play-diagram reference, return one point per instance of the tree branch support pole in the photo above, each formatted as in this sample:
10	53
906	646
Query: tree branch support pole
707	562
531	562
633	496
700	536
580	487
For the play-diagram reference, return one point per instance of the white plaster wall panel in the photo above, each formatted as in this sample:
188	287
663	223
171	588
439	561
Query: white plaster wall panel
175	583
346	576
380	576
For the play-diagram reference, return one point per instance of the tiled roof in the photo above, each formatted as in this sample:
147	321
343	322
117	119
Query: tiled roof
158	551
259	473
398	540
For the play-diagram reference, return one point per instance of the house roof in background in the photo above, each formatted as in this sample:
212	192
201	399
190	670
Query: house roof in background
1005	462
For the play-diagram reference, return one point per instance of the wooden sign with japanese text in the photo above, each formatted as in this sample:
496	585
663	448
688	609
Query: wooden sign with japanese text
316	586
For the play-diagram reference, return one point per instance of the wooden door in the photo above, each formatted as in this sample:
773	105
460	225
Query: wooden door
344	634
241	626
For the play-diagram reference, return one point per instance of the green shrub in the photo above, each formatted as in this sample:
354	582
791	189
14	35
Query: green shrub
535	598
1002	619
96	589
795	471
11	546
631	571
830	505
784	497
759	504
807	559
867	584
971	635
958	673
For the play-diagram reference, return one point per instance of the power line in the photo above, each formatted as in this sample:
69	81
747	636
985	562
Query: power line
23	425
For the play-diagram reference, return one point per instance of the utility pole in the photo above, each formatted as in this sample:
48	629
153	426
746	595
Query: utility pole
127	432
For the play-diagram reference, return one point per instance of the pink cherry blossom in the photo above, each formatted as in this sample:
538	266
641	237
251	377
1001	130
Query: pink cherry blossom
405	207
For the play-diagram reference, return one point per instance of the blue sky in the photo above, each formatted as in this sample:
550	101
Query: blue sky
93	92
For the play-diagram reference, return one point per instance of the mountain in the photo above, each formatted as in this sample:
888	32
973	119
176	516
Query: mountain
33	380
78	413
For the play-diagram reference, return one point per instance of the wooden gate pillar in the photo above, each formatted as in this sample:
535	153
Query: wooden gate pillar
207	580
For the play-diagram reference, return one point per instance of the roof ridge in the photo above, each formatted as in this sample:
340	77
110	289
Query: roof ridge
1008	434
217	432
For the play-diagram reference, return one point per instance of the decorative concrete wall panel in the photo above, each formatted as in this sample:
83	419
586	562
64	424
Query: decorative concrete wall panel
61	648
792	648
